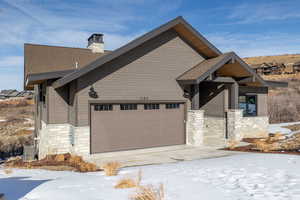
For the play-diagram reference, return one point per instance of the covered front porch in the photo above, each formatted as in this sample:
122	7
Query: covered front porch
228	101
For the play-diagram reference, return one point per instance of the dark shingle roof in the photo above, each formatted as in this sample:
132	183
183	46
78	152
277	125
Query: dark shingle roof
201	68
44	58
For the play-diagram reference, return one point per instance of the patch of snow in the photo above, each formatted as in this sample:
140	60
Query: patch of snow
275	128
239	177
2	120
30	128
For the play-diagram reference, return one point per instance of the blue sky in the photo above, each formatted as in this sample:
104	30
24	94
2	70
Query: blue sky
251	28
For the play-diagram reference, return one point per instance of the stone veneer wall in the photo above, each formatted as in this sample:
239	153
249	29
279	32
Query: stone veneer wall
195	127
214	131
255	127
200	130
234	124
63	138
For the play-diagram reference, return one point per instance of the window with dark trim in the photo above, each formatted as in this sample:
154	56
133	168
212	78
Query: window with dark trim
172	105
248	103
103	107
151	106
128	106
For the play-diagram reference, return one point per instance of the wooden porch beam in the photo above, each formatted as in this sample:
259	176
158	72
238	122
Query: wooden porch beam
222	80
247	79
234	96
195	96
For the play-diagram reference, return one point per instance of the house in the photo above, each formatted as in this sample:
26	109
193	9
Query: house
271	68
296	67
4	94
26	94
168	87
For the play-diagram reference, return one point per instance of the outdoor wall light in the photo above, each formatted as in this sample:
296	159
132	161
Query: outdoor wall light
93	93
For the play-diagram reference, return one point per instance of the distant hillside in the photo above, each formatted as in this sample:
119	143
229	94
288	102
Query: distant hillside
286	59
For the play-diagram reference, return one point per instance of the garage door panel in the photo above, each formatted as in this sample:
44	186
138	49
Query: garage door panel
118	130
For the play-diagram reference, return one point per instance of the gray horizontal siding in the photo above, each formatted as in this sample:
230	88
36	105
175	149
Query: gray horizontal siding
149	71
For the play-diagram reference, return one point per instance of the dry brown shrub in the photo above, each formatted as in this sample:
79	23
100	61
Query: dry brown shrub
262	146
23	132
129	182
75	159
125	183
56	162
8	171
111	168
30	101
275	137
87	167
232	144
149	193
59	158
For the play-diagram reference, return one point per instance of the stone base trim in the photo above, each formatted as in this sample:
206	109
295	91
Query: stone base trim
234	124
63	138
195	127
255	127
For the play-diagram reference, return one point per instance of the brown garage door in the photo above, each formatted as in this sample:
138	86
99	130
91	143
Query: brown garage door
116	127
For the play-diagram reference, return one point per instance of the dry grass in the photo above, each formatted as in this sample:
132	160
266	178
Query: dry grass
283	103
56	162
232	144
129	182
8	171
126	183
295	127
262	146
23	132
14	132
285	58
111	168
149	193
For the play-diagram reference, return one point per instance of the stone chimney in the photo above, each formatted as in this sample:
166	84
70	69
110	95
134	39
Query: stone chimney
95	43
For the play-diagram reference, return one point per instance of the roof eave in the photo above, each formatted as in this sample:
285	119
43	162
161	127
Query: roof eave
274	84
34	78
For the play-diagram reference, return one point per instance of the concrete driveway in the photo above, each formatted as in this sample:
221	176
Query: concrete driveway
160	155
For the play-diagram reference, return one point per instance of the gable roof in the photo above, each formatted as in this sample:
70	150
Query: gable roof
207	67
185	30
200	69
43	58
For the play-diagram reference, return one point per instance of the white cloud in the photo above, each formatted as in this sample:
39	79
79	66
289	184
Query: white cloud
11	61
256	44
258	12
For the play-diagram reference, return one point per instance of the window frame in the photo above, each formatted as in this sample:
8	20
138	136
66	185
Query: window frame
128	106
245	111
172	106
151	106
103	107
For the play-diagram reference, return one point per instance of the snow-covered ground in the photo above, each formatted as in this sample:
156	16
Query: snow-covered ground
240	177
275	128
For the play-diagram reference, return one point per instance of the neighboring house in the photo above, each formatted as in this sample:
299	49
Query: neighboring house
296	67
27	94
4	94
168	87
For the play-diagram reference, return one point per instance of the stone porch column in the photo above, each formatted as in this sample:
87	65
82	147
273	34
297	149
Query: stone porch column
234	124
195	127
